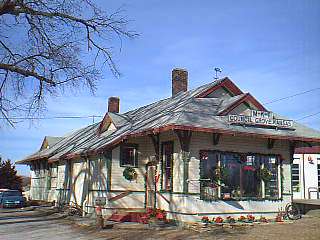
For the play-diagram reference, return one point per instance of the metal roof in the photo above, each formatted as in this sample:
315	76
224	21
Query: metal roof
182	110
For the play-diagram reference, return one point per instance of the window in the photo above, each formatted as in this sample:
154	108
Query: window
35	167
129	155
272	185
251	183
167	165
238	176
208	172
230	166
295	177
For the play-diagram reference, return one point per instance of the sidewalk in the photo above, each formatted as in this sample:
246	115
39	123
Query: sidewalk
33	214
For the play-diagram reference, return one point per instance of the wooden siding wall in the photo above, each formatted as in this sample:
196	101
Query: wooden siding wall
94	180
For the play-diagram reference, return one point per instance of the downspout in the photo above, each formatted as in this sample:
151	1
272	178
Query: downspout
86	190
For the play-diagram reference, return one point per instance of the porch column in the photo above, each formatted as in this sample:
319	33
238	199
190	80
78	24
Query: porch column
184	137
156	144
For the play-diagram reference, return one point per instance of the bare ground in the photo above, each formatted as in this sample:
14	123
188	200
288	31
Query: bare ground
306	228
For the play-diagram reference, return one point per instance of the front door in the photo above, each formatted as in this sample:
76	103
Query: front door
150	187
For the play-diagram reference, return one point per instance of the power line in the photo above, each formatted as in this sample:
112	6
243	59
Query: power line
98	116
291	96
311	115
53	117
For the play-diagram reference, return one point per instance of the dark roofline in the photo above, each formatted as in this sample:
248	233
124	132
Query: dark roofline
246	97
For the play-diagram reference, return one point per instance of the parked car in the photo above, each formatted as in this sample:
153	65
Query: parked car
11	198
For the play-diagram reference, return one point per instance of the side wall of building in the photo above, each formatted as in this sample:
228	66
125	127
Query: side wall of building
100	177
309	175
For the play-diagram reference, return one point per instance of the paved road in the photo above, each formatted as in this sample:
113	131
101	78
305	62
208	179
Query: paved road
55	230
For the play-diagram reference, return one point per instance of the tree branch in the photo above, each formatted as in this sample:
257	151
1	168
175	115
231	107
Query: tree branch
26	73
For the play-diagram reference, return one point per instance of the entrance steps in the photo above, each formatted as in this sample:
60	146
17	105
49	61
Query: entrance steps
139	217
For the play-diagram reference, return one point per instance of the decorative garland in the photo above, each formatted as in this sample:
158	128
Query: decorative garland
218	174
130	173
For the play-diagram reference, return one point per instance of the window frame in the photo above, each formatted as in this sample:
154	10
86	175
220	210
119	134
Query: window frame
295	187
278	163
136	155
163	167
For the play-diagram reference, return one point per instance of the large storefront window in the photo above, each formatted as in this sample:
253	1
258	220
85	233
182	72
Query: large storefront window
238	176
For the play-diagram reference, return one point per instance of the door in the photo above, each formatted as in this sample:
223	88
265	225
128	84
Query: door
150	187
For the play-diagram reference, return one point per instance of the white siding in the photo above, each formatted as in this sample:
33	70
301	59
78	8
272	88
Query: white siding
308	175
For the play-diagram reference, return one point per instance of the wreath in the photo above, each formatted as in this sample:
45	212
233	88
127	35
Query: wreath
130	173
265	174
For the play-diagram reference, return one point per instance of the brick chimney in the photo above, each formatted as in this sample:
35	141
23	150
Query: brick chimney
114	104
179	81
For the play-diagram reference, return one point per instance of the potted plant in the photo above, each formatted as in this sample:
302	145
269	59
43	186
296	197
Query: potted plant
230	219
242	218
205	219
250	218
218	220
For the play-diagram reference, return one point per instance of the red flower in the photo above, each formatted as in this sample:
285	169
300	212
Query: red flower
250	217
149	210
205	219
161	216
218	220
248	168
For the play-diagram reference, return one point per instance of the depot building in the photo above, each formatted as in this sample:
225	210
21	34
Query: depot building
213	150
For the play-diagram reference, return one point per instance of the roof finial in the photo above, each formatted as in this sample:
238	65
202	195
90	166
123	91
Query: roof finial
216	69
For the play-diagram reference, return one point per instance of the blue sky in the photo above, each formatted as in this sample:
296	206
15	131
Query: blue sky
268	48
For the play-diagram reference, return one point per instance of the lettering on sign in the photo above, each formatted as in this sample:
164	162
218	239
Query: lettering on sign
260	118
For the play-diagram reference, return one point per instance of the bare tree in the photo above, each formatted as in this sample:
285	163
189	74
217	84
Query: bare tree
42	47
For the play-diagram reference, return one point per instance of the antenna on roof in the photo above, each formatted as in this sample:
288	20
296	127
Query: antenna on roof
217	70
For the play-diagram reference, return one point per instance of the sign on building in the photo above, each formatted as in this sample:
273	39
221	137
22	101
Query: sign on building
260	118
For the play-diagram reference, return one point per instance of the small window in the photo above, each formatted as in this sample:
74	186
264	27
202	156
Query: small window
295	177
167	166
129	155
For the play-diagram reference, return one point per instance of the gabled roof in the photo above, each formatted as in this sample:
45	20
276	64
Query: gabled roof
186	110
222	83
247	97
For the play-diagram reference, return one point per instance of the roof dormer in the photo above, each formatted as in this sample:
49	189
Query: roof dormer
224	88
